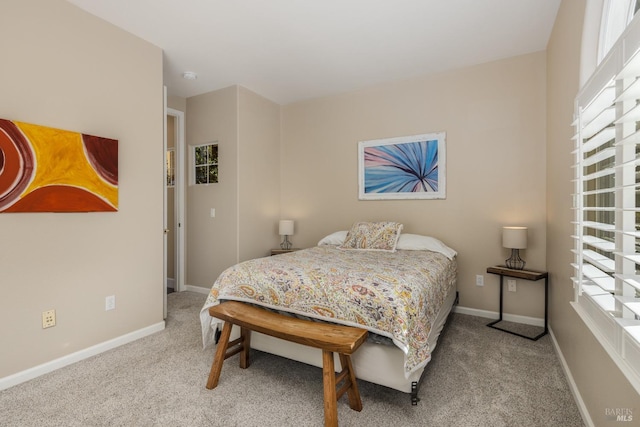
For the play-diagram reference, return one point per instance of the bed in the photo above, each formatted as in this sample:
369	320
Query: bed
400	287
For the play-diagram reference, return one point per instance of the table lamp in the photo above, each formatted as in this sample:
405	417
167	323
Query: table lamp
514	238
285	229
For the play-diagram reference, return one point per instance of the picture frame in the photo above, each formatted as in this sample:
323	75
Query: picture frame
45	169
408	167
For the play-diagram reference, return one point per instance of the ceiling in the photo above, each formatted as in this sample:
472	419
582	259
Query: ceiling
291	50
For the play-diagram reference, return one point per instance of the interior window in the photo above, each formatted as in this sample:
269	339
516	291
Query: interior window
205	163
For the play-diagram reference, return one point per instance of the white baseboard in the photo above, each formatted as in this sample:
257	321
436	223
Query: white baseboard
572	384
515	318
69	359
198	289
171	283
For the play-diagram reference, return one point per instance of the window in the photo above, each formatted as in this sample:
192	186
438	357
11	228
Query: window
607	202
616	15
205	163
171	167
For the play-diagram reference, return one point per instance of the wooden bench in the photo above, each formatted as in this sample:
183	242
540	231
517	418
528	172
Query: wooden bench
331	338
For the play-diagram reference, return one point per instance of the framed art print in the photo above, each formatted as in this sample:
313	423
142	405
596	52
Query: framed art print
410	167
44	169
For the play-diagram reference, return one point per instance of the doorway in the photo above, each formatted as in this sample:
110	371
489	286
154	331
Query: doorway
174	203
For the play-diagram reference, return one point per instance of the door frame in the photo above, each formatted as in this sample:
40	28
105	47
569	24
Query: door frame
179	204
180	197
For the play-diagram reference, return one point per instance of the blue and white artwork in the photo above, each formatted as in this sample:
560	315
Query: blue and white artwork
411	167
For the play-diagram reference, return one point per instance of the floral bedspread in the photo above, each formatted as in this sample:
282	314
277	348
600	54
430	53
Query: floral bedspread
394	294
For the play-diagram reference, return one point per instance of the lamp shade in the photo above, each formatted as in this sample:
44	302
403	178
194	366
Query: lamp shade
286	227
514	237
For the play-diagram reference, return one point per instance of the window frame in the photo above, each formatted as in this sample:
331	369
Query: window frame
616	16
607	251
193	177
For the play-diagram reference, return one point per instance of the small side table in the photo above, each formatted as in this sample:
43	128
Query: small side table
282	251
533	276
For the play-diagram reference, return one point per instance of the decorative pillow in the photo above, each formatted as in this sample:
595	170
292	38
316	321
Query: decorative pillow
334	239
373	236
415	242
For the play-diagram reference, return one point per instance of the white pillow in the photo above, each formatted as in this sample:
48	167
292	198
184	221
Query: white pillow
336	238
415	242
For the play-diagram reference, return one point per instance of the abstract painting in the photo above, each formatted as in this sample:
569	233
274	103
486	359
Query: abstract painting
44	169
411	167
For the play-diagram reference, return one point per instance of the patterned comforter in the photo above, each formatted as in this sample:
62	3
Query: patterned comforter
393	294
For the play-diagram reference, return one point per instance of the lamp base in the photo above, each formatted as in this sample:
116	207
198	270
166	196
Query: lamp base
515	262
286	244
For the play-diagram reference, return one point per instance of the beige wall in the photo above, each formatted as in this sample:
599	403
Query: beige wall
212	243
177	103
494	118
64	68
599	381
246	198
258	174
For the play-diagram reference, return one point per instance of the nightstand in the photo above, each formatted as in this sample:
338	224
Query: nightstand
282	251
530	275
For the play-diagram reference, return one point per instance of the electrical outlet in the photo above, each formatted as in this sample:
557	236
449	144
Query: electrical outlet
511	285
479	280
110	303
48	319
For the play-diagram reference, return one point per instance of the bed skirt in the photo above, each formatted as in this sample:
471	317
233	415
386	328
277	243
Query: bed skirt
376	363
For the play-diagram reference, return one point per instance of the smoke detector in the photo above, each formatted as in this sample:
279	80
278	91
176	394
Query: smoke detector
189	75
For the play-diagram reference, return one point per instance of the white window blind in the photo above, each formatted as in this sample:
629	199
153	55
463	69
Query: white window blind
607	203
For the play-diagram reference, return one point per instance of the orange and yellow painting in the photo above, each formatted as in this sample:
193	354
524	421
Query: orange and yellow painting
44	169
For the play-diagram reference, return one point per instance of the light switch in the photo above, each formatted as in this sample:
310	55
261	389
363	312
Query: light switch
213	212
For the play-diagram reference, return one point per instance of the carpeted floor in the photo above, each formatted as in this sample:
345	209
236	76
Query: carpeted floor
478	377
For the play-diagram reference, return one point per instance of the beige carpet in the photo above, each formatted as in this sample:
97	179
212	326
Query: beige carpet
478	377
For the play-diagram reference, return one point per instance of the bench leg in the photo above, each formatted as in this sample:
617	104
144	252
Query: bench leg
221	351
227	349
354	394
329	382
245	337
